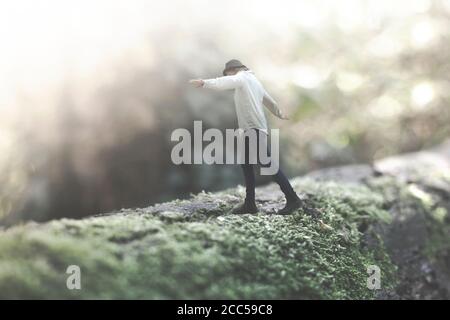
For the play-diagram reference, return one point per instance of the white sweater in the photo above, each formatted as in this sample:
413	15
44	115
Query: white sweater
249	97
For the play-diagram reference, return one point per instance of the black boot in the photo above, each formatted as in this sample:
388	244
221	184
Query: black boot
246	207
292	203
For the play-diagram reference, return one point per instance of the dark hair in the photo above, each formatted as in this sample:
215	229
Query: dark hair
237	68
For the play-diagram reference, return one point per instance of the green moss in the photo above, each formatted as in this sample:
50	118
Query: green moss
204	253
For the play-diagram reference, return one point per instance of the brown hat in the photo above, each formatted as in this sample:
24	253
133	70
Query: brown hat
232	64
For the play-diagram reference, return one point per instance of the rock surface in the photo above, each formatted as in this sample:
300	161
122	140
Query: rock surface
393	214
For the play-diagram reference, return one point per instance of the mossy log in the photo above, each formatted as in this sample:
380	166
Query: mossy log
393	214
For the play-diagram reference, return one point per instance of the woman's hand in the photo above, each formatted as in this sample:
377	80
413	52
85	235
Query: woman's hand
282	116
197	82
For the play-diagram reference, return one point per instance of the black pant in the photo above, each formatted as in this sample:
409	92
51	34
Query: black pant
249	173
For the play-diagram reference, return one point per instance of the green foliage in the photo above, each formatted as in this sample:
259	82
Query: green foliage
307	108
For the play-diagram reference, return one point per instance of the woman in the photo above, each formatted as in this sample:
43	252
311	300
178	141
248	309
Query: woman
249	98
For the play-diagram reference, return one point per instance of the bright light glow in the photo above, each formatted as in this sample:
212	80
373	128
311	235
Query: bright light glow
307	76
422	34
350	15
302	13
385	107
446	4
349	81
422	94
420	6
44	41
384	46
395	9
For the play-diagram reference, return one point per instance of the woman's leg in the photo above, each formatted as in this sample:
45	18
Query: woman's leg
285	186
249	206
292	200
249	176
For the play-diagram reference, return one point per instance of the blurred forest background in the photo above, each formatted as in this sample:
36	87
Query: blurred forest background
90	91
